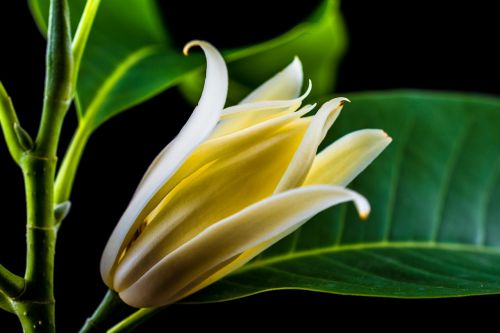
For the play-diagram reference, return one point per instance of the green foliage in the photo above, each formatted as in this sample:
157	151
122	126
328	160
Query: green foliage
319	41
435	226
129	44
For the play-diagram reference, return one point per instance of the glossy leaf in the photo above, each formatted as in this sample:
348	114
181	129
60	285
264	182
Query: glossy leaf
129	45
434	230
319	41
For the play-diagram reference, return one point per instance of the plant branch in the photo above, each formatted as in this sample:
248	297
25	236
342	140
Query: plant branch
10	284
6	303
67	172
8	121
35	306
105	315
58	78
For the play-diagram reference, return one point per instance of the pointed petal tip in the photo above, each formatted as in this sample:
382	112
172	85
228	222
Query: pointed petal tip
192	43
362	206
344	100
381	133
296	67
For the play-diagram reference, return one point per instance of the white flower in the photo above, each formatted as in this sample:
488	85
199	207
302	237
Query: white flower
231	184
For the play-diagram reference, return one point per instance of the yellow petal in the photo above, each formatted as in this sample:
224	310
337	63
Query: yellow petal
343	160
201	123
230	145
284	85
209	195
304	157
172	277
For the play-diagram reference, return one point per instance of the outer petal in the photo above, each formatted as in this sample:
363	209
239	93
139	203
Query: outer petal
175	276
304	157
343	160
209	195
284	85
201	123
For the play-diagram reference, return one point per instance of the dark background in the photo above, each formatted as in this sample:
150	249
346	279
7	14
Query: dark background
408	45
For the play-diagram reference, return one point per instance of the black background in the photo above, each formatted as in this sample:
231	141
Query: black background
408	45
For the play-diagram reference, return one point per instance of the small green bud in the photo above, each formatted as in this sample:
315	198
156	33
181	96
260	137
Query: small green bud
23	137
61	211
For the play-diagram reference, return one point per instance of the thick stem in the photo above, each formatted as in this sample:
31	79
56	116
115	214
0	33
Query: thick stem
105	315
35	306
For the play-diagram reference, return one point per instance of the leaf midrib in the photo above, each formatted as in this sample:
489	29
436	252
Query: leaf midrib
116	75
427	245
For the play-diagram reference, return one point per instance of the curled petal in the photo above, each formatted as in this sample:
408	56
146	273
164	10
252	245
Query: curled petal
305	154
343	160
172	277
199	126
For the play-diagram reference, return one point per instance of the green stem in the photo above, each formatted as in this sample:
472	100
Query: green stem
67	171
10	284
104	316
134	320
35	307
58	78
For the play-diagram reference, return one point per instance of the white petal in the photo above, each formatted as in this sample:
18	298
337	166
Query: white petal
284	85
199	126
304	157
239	117
343	160
171	278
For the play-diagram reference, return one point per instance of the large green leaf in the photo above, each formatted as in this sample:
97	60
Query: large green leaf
129	57
434	230
319	41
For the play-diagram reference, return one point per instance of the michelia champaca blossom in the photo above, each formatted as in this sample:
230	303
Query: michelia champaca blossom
232	183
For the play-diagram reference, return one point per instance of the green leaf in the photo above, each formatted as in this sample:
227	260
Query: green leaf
128	44
434	230
319	41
